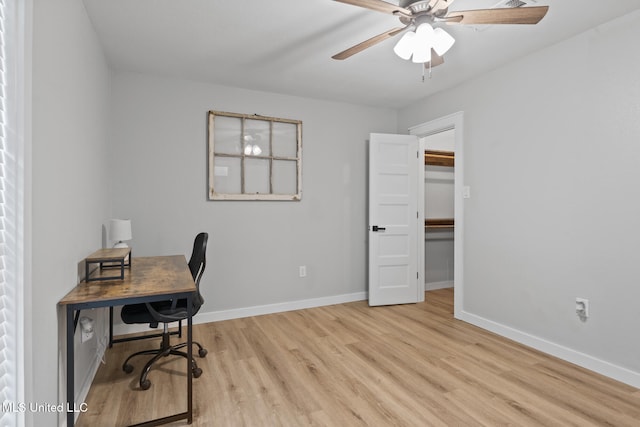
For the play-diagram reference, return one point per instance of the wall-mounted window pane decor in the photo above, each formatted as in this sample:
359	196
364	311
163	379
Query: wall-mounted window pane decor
254	157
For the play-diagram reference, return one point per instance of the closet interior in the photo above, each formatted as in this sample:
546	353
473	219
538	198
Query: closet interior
439	211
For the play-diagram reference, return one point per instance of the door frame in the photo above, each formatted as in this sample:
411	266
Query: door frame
453	121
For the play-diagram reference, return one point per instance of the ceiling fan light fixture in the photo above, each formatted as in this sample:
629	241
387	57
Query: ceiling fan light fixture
422	54
417	45
442	41
425	32
404	47
422	43
252	150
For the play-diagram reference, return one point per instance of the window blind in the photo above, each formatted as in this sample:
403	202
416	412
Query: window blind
9	230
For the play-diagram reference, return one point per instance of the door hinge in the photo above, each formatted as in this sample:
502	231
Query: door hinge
417	275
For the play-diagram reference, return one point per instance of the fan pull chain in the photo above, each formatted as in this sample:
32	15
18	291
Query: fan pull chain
423	67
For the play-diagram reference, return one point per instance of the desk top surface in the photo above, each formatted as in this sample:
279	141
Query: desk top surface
147	276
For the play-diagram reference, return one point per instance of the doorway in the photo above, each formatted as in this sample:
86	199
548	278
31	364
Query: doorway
454	123
439	180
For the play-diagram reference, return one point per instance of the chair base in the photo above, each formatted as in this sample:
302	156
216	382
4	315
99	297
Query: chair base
165	350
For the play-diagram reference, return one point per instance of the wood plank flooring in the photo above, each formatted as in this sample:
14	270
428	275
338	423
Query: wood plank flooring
354	365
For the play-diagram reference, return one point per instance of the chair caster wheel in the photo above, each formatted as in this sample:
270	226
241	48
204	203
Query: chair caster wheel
202	352
145	384
127	368
197	372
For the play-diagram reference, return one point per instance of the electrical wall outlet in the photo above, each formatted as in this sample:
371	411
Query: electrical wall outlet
582	308
86	329
303	271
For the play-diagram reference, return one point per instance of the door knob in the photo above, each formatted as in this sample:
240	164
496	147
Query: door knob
376	228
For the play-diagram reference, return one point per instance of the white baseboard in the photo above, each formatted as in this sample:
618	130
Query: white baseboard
605	368
584	360
237	313
432	286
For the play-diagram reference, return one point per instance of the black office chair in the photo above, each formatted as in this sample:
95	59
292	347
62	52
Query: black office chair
166	312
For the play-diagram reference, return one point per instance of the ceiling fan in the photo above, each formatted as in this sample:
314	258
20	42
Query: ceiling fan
428	44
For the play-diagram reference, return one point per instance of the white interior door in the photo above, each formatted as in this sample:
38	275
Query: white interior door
393	217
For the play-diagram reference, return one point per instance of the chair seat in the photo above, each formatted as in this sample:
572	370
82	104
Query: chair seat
138	313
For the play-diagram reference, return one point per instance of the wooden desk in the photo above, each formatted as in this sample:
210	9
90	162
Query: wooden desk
149	279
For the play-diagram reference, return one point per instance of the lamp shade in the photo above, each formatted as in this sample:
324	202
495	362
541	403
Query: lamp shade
442	41
422	44
404	47
120	229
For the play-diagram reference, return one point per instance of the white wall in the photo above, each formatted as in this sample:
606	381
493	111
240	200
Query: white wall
70	180
255	248
551	155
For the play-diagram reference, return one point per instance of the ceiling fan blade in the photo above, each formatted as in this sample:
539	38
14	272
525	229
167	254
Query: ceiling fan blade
515	15
367	43
435	60
379	5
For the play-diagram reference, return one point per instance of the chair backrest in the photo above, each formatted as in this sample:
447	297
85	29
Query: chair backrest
197	264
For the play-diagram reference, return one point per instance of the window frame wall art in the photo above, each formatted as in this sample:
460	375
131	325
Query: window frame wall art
253	157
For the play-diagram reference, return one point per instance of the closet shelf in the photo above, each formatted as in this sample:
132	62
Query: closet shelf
438	224
439	158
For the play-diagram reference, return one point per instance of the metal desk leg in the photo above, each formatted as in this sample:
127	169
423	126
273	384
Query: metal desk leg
189	358
110	326
70	363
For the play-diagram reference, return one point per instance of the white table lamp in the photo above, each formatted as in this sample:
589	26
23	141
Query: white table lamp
120	230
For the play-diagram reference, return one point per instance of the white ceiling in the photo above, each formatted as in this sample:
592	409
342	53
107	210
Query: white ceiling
285	46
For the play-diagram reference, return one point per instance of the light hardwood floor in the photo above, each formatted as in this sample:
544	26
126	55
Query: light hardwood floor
350	365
